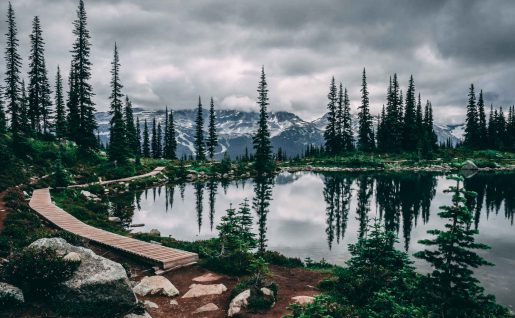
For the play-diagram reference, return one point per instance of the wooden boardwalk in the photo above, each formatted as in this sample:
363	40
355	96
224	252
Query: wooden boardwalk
164	257
152	173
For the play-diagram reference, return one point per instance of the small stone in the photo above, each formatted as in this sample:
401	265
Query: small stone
150	305
238	302
10	294
114	219
208	307
174	302
144	315
72	257
155	285
197	290
302	300
267	292
207	278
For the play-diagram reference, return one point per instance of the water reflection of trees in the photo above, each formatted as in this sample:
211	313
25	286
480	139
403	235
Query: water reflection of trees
261	203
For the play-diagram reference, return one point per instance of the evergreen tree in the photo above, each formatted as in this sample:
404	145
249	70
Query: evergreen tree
117	132
347	134
261	140
166	135
471	122
410	129
73	115
12	73
40	111
159	141
429	138
339	120
453	259
381	133
131	132
365	132
171	141
331	132
153	143
483	134
146	142
393	119
212	139
199	133
24	107
83	91
60	111
3	119
420	123
138	139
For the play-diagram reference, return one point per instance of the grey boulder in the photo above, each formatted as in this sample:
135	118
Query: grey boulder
10	295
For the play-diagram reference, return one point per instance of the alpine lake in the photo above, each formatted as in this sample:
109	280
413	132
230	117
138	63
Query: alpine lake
317	215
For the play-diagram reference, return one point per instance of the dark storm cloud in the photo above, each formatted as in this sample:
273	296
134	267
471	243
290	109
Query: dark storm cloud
173	51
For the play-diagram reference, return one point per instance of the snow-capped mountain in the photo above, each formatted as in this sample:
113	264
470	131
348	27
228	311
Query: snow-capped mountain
235	129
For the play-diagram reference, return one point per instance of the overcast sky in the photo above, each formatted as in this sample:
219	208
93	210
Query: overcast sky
173	51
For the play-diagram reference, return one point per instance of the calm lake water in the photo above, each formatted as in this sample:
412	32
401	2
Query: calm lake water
318	215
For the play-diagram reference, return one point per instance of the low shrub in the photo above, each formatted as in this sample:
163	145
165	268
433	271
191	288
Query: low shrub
322	307
279	259
37	271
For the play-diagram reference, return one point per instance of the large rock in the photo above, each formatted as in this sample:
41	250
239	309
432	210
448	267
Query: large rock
143	315
197	290
207	307
469	165
238	303
207	278
10	295
303	300
98	283
155	285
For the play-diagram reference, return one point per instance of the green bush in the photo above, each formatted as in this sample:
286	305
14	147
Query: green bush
279	259
322	307
38	271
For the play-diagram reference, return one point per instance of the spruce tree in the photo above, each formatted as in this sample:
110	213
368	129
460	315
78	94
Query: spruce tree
166	135
393	119
117	132
483	134
159	140
83	90
347	134
146	142
40	111
261	140
73	115
199	134
60	111
24	109
138	139
130	128
153	142
12	73
471	121
491	128
410	129
339	120
171	143
331	130
3	119
212	139
381	133
365	132
453	258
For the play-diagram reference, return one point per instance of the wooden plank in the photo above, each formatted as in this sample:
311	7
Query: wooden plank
164	256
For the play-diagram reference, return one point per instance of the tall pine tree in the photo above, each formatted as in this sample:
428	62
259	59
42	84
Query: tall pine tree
159	140
365	131
3	119
138	139
331	130
212	139
40	104
410	129
82	89
146	141
347	134
199	133
153	142
261	140
171	142
12	73
24	111
130	128
117	134
60	111
471	121
73	115
483	134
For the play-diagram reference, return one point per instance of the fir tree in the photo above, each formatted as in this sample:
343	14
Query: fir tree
171	143
339	120
381	133
453	259
73	115
491	128
60	111
331	132
212	139
138	139
471	122
12	73
365	132
117	132
199	133
429	138
85	136
130	128
159	140
393	120
347	134
166	135
483	134
261	140
153	143
24	108
3	119
146	142
410	129
40	111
